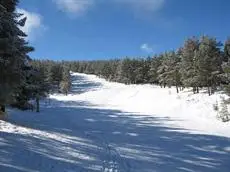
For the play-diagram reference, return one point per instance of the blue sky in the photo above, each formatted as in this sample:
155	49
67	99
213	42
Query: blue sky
102	29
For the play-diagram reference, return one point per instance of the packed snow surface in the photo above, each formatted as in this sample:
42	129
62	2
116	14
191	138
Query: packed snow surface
111	127
187	110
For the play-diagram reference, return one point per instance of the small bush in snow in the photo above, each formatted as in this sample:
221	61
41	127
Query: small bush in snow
216	107
224	115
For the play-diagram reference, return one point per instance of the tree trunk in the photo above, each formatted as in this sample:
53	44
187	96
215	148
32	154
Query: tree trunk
177	89
213	89
194	90
3	108
197	90
37	103
209	91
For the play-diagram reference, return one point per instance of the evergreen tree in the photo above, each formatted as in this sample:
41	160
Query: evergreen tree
169	71
161	71
209	62
141	71
153	74
32	86
227	50
225	76
13	50
126	74
188	65
65	84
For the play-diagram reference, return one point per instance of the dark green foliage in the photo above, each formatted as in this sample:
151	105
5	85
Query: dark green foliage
8	5
225	76
65	84
154	65
161	71
53	76
209	62
127	74
172	70
227	50
188	65
32	87
199	63
13	51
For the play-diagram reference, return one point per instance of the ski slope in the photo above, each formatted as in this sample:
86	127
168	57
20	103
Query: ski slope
188	111
111	127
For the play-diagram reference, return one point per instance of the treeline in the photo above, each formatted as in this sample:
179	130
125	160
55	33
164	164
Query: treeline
22	79
199	63
13	55
55	76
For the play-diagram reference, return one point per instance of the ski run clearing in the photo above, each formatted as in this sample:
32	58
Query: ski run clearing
111	127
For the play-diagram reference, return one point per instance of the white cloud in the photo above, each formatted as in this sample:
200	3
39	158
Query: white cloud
79	7
143	5
146	48
76	7
33	23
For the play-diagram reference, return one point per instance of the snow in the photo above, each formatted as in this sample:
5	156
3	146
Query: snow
111	127
194	112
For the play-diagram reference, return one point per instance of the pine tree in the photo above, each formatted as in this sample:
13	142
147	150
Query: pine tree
13	50
106	70
225	76
32	86
209	62
174	70
154	65
65	84
161	71
141	70
169	71
126	71
227	50
188	65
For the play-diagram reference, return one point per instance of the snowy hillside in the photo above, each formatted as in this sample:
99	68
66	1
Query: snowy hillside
189	111
111	127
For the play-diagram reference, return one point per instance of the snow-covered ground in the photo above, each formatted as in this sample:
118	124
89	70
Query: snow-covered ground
111	127
188	111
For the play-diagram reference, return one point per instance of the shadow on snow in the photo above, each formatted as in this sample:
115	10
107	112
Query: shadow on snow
84	139
71	136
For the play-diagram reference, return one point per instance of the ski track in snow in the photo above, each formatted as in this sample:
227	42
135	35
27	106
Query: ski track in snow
110	127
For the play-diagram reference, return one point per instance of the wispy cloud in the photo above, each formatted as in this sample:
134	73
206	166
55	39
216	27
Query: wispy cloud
143	5
79	7
33	23
74	7
146	48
